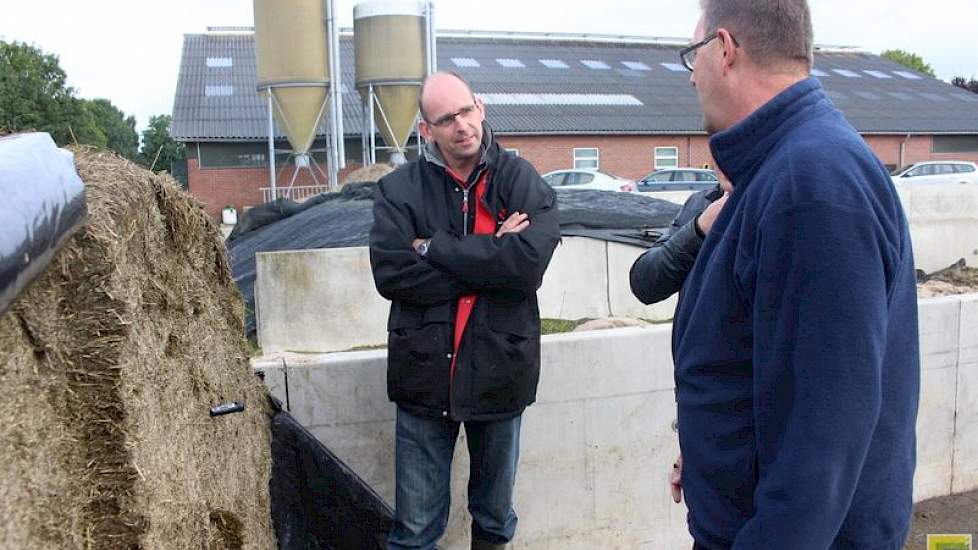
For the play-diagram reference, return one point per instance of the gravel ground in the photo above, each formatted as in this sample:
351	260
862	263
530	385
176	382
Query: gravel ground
956	514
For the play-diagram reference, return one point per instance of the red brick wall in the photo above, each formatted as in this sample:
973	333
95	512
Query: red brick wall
625	156
887	148
916	149
241	187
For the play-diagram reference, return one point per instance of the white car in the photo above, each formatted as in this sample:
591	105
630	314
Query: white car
678	179
938	171
587	179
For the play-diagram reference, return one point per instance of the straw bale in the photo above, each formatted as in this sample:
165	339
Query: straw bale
109	364
369	173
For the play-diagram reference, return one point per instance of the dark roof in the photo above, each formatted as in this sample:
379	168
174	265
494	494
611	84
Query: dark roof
623	98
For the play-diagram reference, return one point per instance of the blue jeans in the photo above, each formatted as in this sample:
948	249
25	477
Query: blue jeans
423	463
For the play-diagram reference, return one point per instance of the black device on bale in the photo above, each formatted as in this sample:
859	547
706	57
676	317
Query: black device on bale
227	408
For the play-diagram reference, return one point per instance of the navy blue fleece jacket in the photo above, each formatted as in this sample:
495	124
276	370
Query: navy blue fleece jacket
795	342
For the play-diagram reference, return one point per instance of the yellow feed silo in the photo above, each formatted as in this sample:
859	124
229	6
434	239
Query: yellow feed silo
291	53
390	43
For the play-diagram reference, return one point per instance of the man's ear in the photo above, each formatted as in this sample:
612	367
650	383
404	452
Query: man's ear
424	129
730	50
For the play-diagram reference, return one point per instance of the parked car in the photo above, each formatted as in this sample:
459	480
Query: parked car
941	171
587	179
677	179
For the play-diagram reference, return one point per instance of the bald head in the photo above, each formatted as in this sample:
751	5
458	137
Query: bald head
451	117
439	85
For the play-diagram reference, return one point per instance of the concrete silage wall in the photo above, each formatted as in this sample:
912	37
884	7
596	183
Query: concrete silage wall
325	300
943	223
598	444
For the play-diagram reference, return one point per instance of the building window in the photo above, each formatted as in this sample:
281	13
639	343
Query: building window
955	144
666	157
586	158
516	152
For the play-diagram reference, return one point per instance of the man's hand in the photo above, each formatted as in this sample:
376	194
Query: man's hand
676	476
705	220
416	243
515	223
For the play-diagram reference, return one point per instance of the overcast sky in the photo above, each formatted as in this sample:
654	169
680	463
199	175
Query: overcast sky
129	50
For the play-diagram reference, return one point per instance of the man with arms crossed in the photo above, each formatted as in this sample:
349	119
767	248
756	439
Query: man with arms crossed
795	339
460	242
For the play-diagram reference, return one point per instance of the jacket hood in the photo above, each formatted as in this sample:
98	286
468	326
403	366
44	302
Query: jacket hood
488	150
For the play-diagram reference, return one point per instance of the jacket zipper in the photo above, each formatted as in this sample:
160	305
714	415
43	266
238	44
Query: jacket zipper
465	231
465	210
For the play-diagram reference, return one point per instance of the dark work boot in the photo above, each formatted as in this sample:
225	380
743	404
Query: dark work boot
482	545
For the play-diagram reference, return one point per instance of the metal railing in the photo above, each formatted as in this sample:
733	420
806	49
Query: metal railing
297	193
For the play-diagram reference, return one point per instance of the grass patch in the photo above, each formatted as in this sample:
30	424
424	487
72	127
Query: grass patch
557	326
368	348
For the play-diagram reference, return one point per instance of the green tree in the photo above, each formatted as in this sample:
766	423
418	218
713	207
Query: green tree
34	96
158	146
909	60
119	130
970	85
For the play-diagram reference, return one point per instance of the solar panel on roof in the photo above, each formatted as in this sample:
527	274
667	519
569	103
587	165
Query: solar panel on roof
636	65
595	64
878	74
511	63
554	64
908	75
847	73
218	90
219	62
465	62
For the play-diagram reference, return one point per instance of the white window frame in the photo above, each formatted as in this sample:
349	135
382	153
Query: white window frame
514	151
665	157
583	155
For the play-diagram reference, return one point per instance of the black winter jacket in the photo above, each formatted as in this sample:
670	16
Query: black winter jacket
498	364
661	270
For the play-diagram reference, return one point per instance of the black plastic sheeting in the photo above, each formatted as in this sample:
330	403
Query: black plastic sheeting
43	205
318	502
337	220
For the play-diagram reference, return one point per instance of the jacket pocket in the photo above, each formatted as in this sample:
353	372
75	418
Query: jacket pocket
418	361
506	358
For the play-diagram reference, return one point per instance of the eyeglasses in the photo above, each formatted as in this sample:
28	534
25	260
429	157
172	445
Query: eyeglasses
443	121
688	54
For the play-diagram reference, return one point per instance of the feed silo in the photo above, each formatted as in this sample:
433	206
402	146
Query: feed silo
293	68
393	54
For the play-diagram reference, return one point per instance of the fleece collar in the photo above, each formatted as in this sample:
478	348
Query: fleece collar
740	149
487	151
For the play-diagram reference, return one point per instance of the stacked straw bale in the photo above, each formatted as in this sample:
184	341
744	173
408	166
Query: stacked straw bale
369	173
109	364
